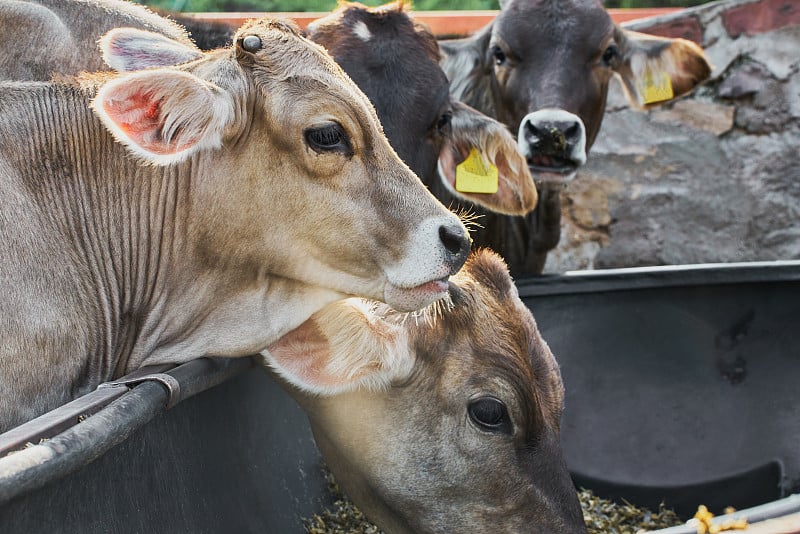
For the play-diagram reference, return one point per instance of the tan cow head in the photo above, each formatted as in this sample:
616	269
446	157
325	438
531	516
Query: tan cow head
291	172
441	421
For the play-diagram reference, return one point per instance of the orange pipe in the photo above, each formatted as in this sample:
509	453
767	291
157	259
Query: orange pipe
440	22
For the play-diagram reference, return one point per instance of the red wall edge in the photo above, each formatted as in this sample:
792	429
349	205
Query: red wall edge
440	22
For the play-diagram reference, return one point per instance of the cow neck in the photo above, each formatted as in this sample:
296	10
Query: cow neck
118	217
465	63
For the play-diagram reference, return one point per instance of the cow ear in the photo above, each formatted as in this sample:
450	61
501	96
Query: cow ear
130	49
164	115
343	347
658	69
480	163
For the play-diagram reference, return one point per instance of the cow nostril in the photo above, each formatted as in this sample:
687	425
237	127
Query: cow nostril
532	133
454	240
573	132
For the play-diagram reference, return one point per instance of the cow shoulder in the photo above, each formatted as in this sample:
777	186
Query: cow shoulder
657	69
34	29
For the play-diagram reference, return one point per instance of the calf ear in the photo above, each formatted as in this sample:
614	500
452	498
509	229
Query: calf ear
490	147
657	69
129	49
164	115
343	347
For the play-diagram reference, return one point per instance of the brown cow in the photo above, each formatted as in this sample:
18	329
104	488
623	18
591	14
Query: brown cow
542	67
395	61
440	421
201	210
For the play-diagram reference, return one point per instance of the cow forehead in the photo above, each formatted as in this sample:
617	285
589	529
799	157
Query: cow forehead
528	26
489	344
290	61
284	52
396	63
383	45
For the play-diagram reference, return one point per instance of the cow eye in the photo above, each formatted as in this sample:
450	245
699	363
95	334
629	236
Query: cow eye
610	54
328	138
443	124
498	55
490	414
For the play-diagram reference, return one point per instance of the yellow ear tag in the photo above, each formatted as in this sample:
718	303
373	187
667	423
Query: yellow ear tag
473	176
655	86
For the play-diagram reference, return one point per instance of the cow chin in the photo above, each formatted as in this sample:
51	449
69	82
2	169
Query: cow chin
415	298
549	178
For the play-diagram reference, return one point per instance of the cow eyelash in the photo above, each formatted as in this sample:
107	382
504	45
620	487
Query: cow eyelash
328	138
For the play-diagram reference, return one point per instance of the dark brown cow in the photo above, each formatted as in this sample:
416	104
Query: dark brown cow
396	63
543	67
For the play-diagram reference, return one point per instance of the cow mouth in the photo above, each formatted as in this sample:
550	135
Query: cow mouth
551	164
406	299
552	170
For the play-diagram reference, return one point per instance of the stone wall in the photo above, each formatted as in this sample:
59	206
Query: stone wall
713	177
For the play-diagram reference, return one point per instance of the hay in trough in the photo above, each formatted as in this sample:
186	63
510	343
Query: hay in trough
601	516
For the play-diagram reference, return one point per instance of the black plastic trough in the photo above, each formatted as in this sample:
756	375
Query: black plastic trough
682	383
682	387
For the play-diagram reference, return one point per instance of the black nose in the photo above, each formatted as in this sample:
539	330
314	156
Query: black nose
552	137
457	244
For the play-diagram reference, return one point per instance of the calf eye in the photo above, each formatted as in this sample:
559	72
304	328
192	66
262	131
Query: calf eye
490	414
498	55
611	53
328	138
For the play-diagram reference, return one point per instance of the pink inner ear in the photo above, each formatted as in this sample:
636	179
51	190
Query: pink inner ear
303	354
138	115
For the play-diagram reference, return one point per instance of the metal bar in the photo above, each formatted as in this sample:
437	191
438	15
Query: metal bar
659	277
63	417
83	442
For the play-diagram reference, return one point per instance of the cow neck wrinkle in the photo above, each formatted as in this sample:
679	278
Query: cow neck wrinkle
132	230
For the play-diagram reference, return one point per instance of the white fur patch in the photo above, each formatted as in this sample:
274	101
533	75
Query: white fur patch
361	31
426	260
578	152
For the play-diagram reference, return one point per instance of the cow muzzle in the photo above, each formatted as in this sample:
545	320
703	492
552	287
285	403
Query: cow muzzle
437	249
553	142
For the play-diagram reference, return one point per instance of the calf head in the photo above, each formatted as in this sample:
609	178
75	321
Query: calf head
291	173
441	421
395	61
543	67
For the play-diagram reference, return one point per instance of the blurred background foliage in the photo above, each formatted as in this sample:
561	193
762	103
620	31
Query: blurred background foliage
328	5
